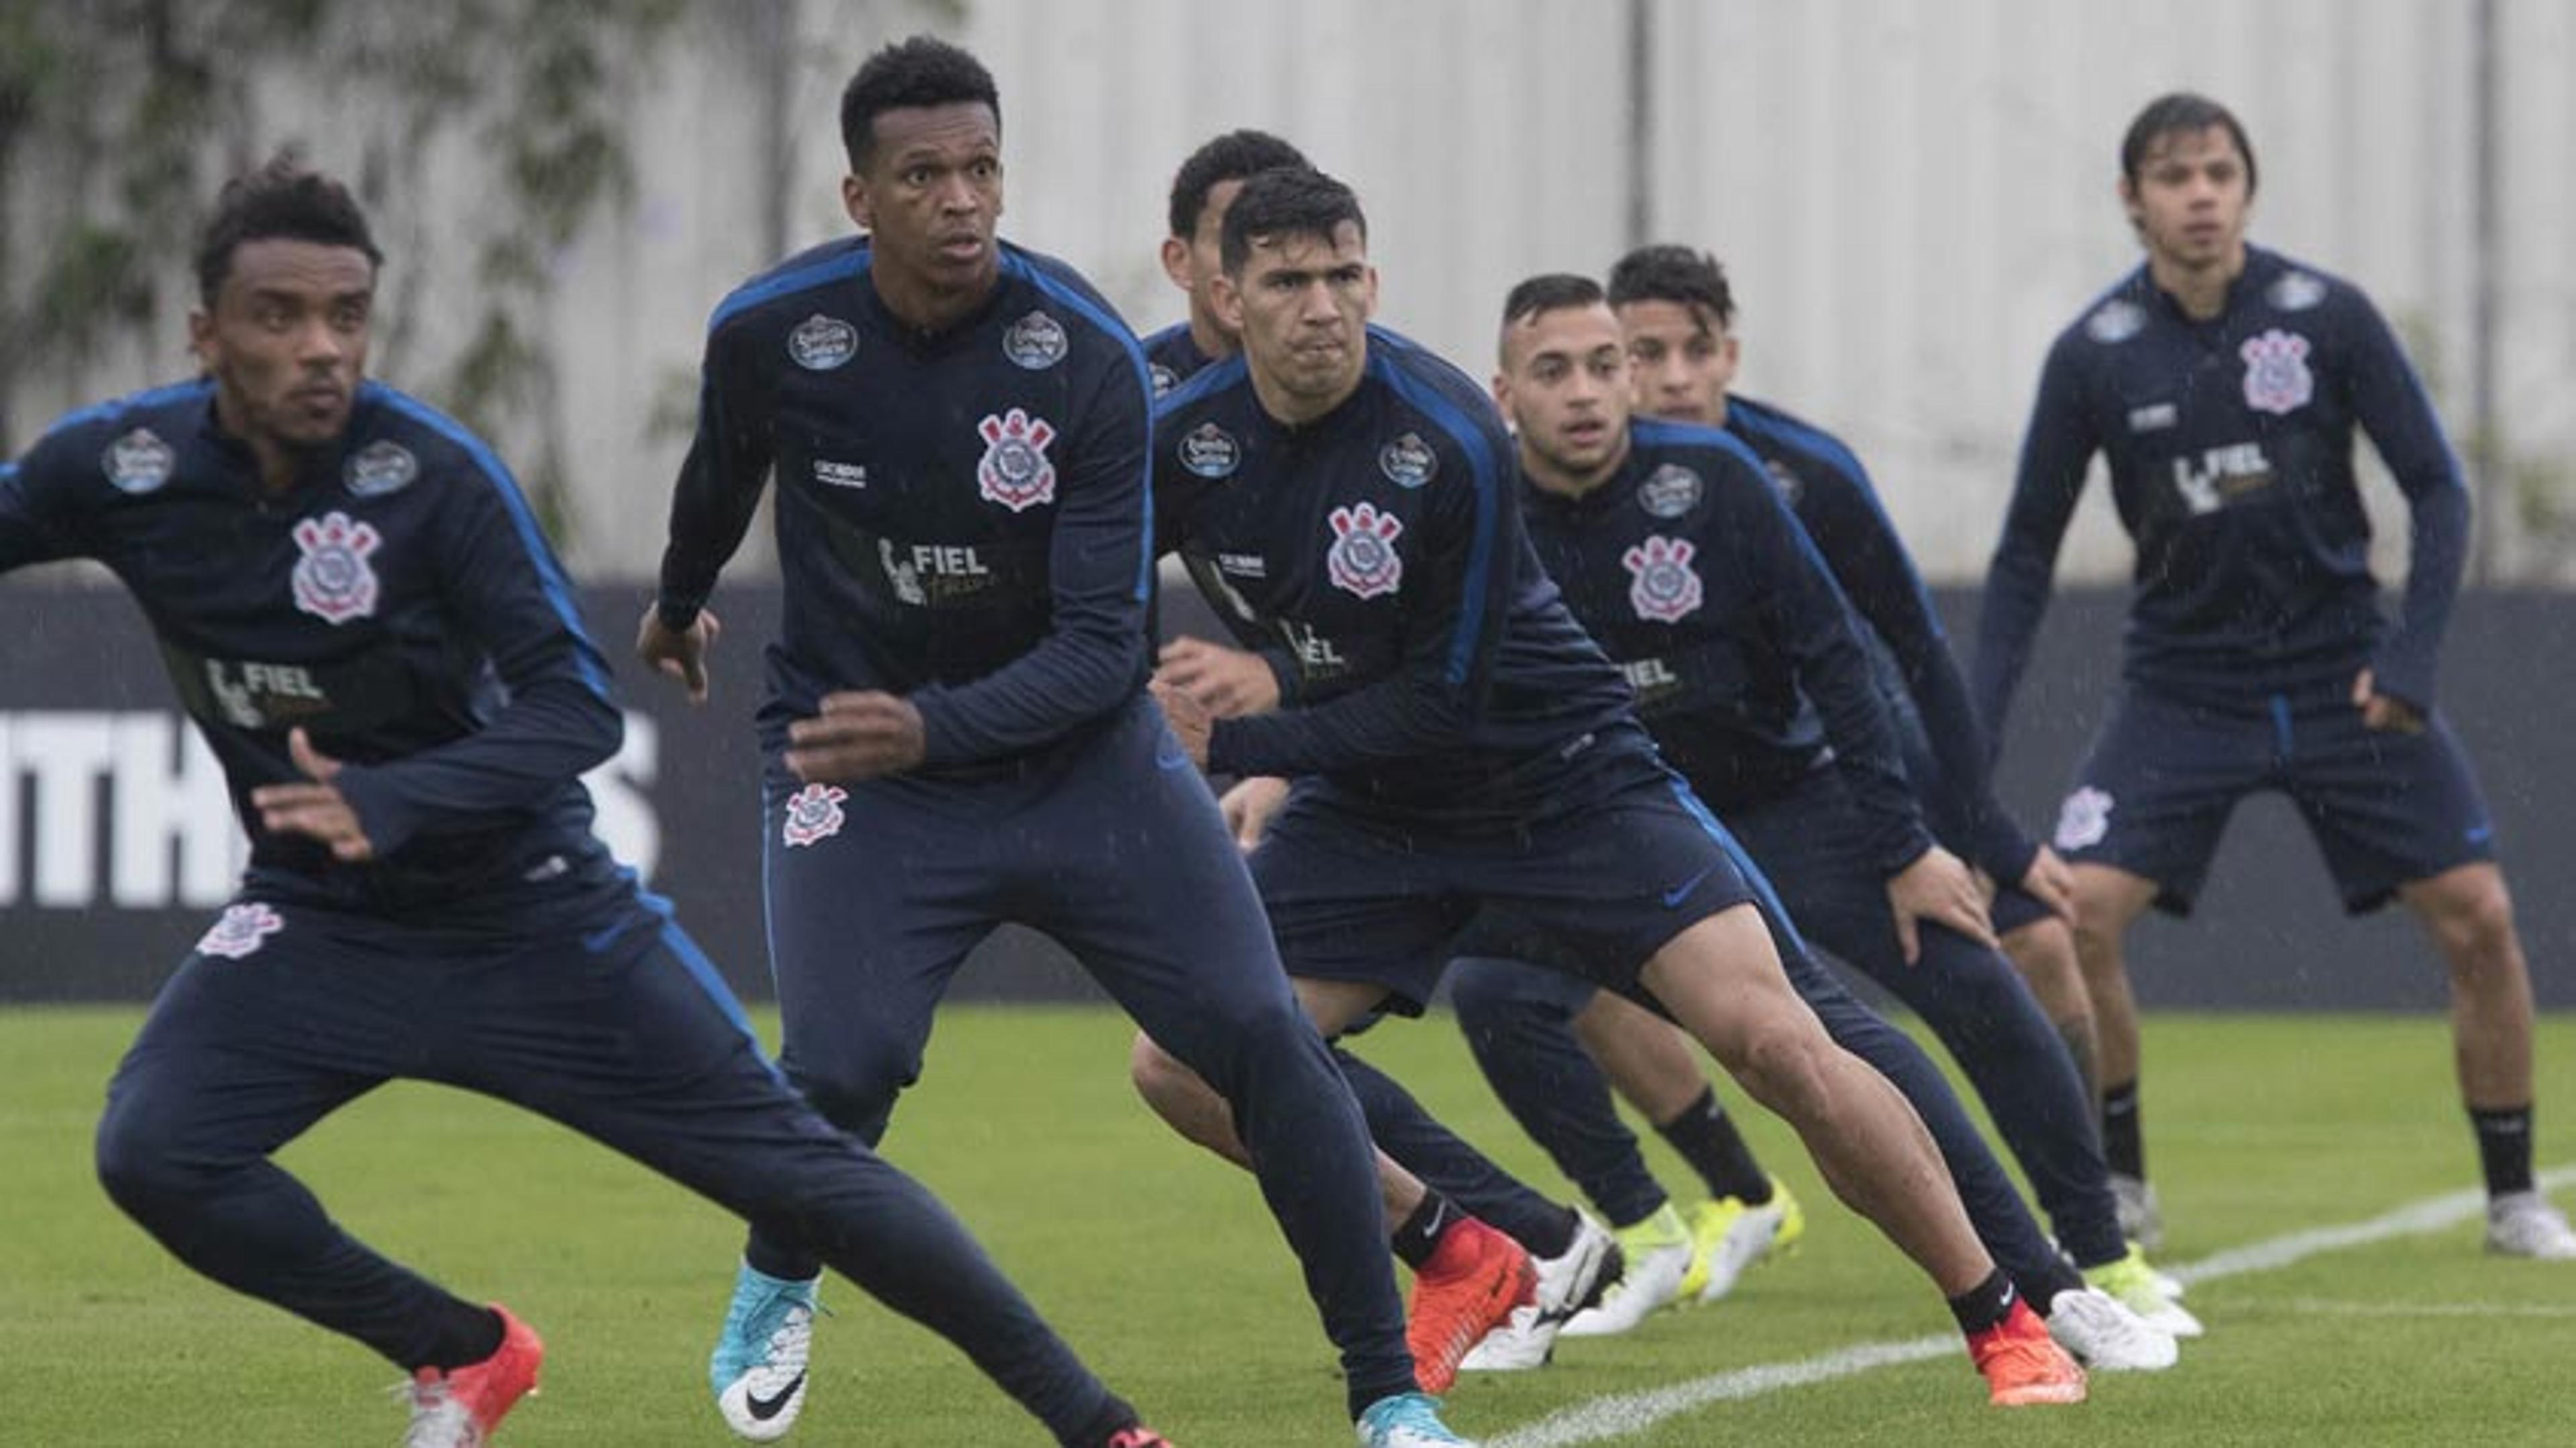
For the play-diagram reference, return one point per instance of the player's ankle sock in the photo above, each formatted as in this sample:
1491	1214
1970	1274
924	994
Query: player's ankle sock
1420	1235
1706	1137
2504	1148
1983	1308
2123	1150
2040	1285
465	1334
1556	1239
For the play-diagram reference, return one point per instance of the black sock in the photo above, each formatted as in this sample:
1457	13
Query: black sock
466	1335
2040	1286
2504	1148
1984	1307
1556	1241
2122	1147
1420	1235
1706	1137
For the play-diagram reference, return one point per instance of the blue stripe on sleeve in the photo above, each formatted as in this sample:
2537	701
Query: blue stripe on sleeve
1117	332
1836	455
558	590
152	397
1481	466
847	265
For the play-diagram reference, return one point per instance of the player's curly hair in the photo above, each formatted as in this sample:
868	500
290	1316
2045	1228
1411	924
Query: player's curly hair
1675	274
283	198
921	71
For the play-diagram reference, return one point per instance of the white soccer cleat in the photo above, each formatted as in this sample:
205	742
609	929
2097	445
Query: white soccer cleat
1569	1282
2142	1218
1658	1255
2104	1335
2524	1224
758	1366
2136	1285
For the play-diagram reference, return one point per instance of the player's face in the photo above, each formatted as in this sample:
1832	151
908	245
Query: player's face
1195	263
1564	385
286	340
2191	199
931	195
1681	359
1301	306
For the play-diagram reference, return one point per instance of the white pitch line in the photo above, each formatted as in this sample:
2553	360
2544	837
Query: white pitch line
2327	1307
1623	1414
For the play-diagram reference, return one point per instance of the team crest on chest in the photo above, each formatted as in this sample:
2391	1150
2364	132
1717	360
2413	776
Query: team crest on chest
1363	559
2277	379
1014	471
243	929
1035	342
821	343
813	815
138	462
1662	585
1408	462
333	580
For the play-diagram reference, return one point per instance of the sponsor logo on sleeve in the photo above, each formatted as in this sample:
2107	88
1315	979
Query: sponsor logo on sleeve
1209	451
1035	342
821	343
1408	462
813	814
1362	559
2296	291
2277	379
1014	471
138	462
1662	585
2116	320
1670	491
243	929
380	468
333	580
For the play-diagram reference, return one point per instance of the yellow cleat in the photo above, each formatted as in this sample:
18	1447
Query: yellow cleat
1727	1236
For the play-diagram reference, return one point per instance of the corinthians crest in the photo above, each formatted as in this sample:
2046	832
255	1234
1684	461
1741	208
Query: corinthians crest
1662	585
1014	471
333	580
1363	559
2277	379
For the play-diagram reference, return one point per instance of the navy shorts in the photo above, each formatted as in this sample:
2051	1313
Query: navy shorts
2386	808
1593	890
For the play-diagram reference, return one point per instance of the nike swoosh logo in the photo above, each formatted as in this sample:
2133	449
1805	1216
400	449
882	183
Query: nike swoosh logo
1676	895
764	1409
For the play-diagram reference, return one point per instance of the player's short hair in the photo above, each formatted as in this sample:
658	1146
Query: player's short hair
1275	205
1234	156
1548	292
921	71
1676	274
2177	113
281	199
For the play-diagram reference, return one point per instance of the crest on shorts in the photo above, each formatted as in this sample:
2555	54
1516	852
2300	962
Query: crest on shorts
333	580
2277	379
1670	491
1408	462
813	815
138	462
2083	819
1363	559
821	343
1210	452
1035	342
243	929
1662	585
380	468
2295	291
1014	471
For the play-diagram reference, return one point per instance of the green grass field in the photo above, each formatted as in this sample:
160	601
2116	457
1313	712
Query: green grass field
1163	1269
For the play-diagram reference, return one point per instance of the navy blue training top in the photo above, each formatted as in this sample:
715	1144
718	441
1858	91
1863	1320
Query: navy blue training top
2230	448
1428	667
400	604
962	517
1173	357
1687	566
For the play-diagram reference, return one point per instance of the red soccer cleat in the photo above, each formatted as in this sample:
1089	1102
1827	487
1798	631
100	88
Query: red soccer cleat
1467	1289
2023	1364
463	1407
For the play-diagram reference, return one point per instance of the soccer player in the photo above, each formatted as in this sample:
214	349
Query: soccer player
956	730
361	616
1464	756
2223	383
1201	191
1676	552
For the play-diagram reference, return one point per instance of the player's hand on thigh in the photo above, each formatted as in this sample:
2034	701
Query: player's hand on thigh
1938	888
1249	805
858	736
2051	881
2384	711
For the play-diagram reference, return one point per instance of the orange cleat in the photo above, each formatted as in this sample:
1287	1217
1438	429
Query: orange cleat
1467	1289
463	1407
2023	1364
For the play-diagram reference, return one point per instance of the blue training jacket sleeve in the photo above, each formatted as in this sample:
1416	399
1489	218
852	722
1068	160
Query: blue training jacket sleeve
2389	400
1860	545
1452	626
509	596
31	528
719	485
1813	620
2055	451
1100	573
